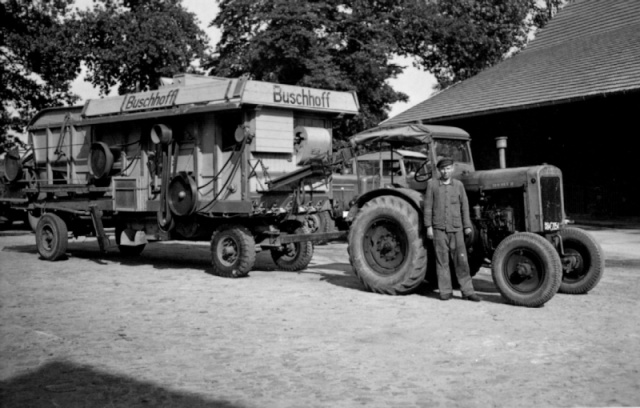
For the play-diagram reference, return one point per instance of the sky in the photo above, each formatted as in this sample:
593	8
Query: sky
417	84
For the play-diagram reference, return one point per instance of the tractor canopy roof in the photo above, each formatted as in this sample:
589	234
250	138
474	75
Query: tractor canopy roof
407	134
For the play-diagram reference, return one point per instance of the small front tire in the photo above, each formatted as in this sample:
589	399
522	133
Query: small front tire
526	269
583	263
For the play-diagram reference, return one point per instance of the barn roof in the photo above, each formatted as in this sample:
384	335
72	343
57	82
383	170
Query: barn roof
591	48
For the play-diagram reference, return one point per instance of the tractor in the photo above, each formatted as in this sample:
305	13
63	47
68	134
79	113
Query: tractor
519	224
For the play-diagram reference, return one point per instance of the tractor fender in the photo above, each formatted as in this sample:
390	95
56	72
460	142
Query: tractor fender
413	197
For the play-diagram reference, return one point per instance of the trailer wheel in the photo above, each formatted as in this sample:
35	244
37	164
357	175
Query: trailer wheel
526	269
127	250
314	222
233	251
386	248
583	263
295	256
51	237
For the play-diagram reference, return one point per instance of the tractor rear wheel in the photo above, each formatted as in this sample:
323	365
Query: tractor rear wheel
583	263
526	269
233	251
386	247
52	237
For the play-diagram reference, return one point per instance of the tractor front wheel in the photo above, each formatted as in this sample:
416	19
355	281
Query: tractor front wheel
526	269
582	263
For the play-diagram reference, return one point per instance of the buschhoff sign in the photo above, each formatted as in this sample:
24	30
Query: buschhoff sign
223	91
298	97
152	100
302	97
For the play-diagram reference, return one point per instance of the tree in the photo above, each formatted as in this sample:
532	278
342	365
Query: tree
127	42
326	44
134	43
456	39
36	64
348	45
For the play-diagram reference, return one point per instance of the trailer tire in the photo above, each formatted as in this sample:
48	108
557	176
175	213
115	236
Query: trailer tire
526	269
233	251
127	250
589	262
386	247
314	223
296	256
52	237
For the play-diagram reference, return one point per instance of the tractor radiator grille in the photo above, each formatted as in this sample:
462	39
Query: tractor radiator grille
551	200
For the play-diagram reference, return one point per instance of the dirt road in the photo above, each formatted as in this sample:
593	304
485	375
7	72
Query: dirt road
159	331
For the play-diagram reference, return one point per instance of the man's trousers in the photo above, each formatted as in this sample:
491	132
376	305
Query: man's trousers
450	245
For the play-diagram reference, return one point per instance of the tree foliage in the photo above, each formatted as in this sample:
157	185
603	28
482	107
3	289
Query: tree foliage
36	63
348	44
133	43
327	44
456	39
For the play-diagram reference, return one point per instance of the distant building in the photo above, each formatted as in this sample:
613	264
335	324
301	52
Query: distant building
571	99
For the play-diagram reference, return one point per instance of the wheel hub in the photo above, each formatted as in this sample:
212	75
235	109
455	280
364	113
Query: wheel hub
573	265
229	251
523	270
48	238
386	248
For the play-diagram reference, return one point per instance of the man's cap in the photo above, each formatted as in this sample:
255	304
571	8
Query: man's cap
445	161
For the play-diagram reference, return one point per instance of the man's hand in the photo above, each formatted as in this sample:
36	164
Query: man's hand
430	232
467	231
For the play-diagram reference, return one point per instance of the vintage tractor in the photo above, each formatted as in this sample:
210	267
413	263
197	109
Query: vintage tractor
236	162
517	213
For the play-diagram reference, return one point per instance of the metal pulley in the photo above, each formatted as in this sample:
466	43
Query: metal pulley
13	166
161	134
182	195
101	159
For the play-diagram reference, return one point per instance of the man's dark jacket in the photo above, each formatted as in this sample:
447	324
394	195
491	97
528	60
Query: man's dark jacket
446	206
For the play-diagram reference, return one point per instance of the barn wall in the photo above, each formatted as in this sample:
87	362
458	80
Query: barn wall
591	141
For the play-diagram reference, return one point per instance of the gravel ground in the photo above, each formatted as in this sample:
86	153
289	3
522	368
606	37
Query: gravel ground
160	331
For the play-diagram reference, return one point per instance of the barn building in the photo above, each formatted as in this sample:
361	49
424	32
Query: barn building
568	99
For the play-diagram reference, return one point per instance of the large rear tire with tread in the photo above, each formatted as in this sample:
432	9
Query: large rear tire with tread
233	251
295	256
583	264
52	237
526	269
386	247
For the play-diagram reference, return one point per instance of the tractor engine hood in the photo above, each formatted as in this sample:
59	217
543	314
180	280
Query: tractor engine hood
507	178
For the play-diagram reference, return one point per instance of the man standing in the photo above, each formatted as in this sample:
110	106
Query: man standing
446	215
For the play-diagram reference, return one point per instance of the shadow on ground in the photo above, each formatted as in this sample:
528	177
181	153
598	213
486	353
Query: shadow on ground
65	384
